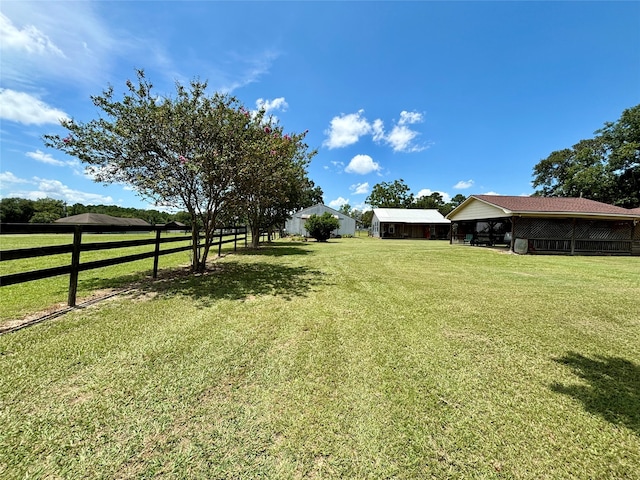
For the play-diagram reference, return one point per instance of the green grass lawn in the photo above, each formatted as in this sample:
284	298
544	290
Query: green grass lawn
358	358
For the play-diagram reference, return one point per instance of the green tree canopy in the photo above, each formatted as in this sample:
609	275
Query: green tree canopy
605	168
433	201
367	218
16	210
390	195
345	209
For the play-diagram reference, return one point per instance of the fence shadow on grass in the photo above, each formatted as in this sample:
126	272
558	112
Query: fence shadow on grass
238	281
613	391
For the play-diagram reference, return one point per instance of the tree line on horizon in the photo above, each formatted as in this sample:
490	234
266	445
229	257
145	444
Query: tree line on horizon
48	210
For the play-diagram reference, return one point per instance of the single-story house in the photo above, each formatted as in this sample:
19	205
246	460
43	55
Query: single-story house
102	219
409	223
175	223
547	225
295	225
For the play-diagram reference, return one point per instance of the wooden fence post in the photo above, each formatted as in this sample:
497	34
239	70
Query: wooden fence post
75	264
156	257
220	243
235	238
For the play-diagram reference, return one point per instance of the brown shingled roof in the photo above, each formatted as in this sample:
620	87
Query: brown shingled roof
101	219
552	205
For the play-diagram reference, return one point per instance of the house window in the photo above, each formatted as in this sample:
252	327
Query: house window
392	229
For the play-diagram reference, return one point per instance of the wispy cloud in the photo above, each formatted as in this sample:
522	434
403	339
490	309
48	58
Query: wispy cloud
247	68
59	191
42	157
338	202
24	108
425	192
73	164
462	184
277	104
409	118
360	188
7	178
50	40
28	39
362	164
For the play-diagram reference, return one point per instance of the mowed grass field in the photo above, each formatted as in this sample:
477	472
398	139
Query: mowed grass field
358	358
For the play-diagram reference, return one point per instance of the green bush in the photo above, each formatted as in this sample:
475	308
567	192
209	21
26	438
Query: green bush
321	226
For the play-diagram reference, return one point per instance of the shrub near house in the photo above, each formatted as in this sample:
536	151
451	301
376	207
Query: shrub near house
321	226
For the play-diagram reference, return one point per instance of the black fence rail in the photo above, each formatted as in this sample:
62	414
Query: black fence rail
224	235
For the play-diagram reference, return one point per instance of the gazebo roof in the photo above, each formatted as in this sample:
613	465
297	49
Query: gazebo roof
101	219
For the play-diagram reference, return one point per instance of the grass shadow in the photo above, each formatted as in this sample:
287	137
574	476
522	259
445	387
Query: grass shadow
95	282
275	250
613	390
237	281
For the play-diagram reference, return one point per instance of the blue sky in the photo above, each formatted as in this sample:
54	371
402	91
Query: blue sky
453	97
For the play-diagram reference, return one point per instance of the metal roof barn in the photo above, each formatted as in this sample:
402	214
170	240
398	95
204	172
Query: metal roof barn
409	223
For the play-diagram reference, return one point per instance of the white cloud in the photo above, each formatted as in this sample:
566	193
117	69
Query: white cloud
45	158
409	118
26	109
425	192
49	188
362	164
462	184
338	202
75	165
401	137
277	104
363	207
59	191
360	188
28	39
8	177
346	130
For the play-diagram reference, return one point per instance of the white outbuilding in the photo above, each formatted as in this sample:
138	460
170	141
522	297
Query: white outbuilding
295	225
409	223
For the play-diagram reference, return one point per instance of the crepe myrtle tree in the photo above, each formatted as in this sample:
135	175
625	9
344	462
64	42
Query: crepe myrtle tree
271	175
178	152
321	226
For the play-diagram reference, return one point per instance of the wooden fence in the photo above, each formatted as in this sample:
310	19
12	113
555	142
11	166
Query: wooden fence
224	236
